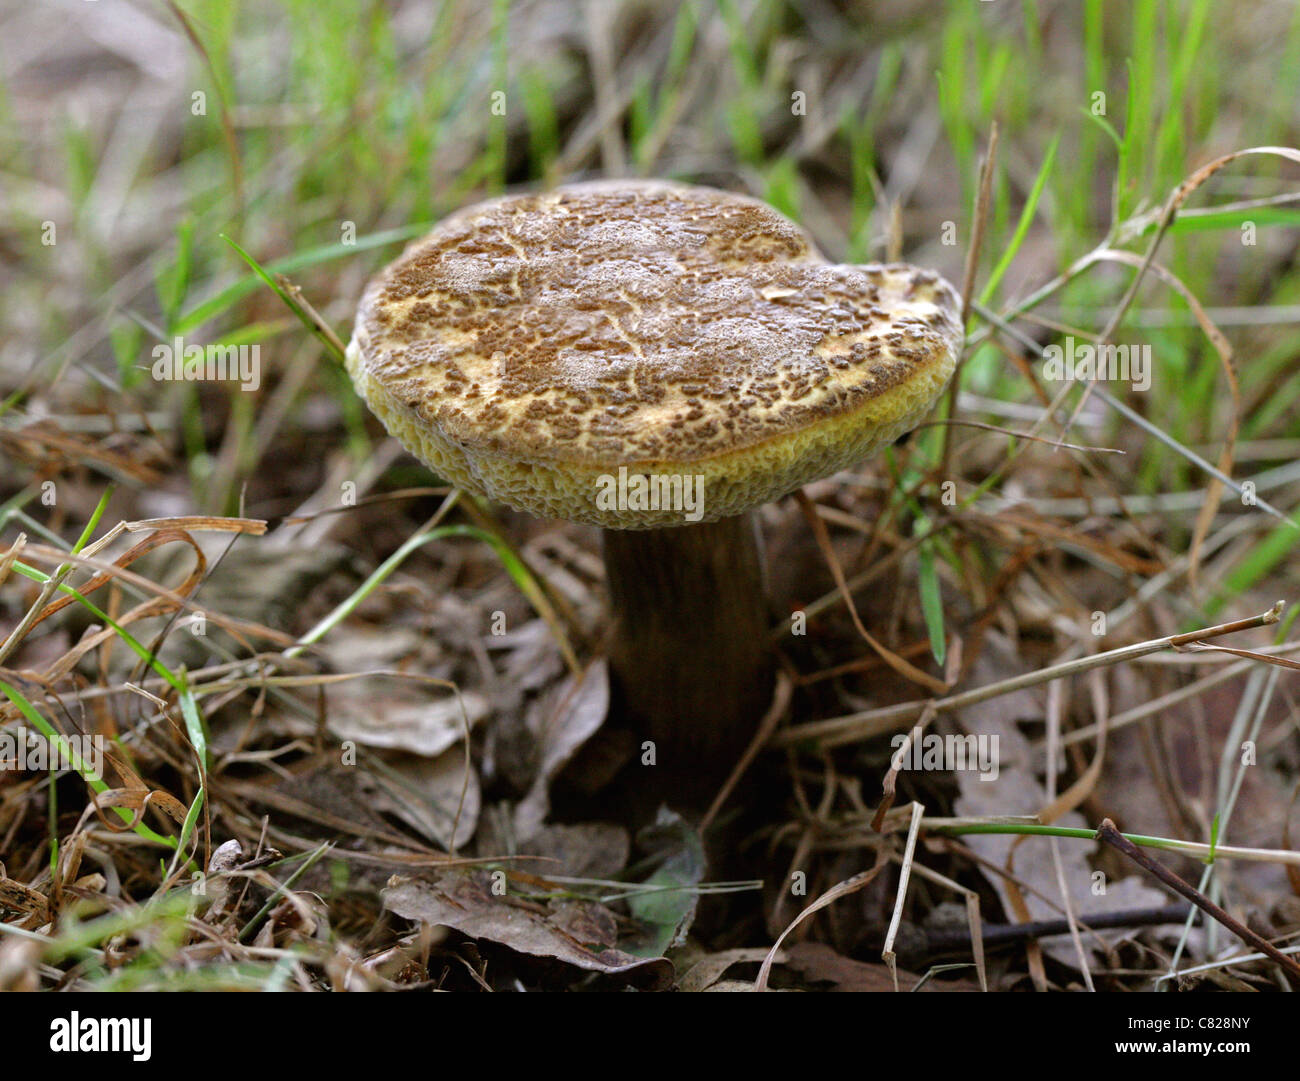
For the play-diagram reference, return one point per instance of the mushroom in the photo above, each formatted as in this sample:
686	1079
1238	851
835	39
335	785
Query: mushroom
657	360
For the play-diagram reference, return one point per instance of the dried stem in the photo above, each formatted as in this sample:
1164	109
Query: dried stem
836	731
1112	836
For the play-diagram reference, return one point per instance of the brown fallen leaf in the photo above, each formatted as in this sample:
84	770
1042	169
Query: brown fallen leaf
818	963
425	727
707	971
582	850
464	901
432	796
578	711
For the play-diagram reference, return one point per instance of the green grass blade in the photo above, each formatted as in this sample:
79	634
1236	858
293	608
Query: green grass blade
307	321
1022	226
232	294
91	778
932	601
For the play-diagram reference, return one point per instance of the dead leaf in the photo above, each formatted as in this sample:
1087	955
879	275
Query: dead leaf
464	902
707	971
579	709
588	850
14	895
426	728
818	963
433	797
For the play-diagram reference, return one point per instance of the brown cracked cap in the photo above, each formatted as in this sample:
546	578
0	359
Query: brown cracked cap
531	346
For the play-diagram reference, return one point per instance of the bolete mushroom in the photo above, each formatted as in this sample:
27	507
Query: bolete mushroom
657	360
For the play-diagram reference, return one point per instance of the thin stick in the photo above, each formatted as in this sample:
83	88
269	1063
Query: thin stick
1028	824
951	939
1112	836
854	726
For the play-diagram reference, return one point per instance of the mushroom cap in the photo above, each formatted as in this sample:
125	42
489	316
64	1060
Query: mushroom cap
532	347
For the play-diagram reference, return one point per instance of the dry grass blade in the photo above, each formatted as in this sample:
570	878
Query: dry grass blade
1018	435
1250	654
848	729
897	663
904	877
775	714
1155	431
974	922
1205	516
890	782
842	889
155	540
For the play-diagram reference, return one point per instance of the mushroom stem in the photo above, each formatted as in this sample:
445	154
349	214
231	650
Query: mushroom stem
689	656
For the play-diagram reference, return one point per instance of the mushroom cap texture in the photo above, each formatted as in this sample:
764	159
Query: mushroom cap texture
531	347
